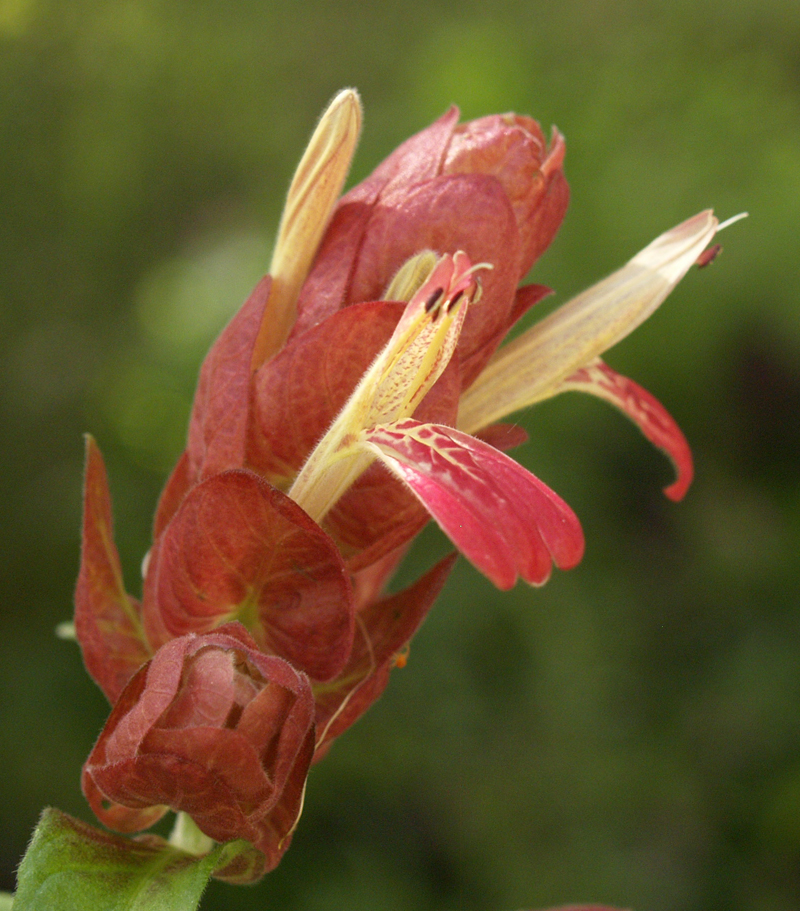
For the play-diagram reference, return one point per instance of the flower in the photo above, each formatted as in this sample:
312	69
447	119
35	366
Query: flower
355	395
500	516
562	351
214	727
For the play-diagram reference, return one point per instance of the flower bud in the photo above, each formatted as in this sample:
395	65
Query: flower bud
313	193
212	727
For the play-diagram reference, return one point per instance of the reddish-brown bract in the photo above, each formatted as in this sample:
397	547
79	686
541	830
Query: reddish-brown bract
213	727
220	722
107	620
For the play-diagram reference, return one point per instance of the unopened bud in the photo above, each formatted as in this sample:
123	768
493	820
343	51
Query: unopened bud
313	194
411	276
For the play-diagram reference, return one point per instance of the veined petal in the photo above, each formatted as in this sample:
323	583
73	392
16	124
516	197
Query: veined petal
645	411
398	379
532	367
503	519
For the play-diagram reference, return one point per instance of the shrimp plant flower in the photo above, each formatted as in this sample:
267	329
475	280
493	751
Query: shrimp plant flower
362	389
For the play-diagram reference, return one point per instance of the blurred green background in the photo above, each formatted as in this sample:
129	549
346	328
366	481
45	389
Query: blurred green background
630	733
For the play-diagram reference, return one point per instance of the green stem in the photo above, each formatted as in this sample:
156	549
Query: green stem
186	836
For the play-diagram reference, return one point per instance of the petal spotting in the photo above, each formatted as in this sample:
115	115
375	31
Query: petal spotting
395	383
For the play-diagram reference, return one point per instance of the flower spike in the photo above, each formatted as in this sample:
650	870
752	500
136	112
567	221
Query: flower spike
355	395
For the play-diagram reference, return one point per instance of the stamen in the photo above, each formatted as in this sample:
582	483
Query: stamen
708	256
454	300
478	293
732	220
431	302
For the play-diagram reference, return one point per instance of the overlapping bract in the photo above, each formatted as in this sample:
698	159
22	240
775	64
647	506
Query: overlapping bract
213	727
327	428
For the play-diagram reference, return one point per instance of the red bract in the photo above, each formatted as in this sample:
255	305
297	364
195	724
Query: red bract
238	548
355	395
108	621
215	728
491	188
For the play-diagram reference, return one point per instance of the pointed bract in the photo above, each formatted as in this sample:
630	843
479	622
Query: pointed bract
220	417
107	620
384	628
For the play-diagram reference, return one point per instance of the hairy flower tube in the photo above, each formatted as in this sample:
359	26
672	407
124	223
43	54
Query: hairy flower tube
355	395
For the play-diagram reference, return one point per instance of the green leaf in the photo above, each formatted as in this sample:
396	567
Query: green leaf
71	866
6	901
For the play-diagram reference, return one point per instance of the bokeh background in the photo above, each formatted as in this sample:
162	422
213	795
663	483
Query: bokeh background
628	734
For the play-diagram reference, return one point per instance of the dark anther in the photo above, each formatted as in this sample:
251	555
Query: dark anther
455	299
431	302
708	256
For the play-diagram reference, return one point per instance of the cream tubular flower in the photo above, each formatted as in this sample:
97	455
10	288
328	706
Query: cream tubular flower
390	390
537	363
562	352
312	197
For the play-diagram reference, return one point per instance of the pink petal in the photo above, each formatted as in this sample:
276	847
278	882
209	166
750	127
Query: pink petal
502	518
645	411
